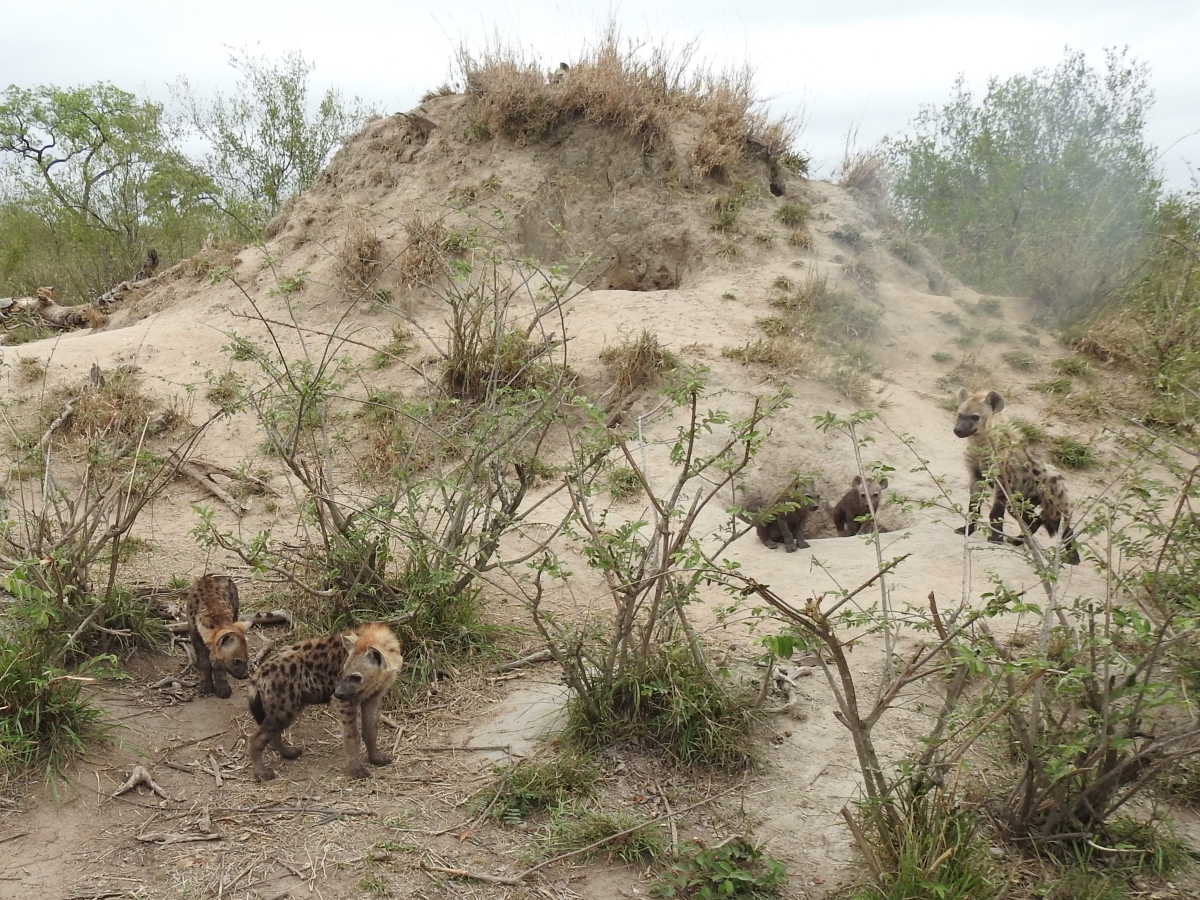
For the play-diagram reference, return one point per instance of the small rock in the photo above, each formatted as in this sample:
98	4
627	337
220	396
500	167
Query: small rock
996	852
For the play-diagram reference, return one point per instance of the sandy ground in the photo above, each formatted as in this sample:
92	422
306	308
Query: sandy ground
313	832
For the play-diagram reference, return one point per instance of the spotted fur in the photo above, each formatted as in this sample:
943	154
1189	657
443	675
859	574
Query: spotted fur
217	636
355	669
995	450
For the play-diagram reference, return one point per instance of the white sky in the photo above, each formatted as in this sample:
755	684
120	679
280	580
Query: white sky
867	65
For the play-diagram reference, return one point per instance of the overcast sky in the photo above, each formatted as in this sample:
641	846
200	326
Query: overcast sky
868	65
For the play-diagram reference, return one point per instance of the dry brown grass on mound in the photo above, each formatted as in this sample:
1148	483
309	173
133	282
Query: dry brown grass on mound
637	362
359	256
421	261
632	87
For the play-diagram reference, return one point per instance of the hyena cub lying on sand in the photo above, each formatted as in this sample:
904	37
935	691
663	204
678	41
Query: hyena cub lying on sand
857	503
784	527
994	449
218	638
355	668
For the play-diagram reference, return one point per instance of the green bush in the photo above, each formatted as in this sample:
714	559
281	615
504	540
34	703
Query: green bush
44	719
1043	187
735	870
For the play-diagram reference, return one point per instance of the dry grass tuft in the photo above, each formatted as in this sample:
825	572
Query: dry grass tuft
863	171
637	362
629	86
422	260
30	369
359	256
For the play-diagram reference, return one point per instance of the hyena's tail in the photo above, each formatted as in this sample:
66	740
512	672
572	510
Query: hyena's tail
256	706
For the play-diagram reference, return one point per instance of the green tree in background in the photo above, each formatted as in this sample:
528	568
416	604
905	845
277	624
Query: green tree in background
1043	187
266	142
90	181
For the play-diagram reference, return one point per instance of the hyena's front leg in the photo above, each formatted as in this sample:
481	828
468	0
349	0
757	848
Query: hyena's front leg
370	731
352	764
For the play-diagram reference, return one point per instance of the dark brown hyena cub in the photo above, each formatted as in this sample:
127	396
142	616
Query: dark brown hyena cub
848	515
218	638
775	526
355	668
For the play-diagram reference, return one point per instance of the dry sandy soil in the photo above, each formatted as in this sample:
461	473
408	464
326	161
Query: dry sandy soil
656	264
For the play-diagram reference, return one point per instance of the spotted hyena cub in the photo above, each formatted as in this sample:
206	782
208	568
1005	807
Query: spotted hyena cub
858	506
218	638
994	449
786	527
355	669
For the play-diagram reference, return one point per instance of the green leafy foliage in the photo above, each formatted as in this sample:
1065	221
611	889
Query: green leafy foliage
266	141
94	182
734	870
1041	187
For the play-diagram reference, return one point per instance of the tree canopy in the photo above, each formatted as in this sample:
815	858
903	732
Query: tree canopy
1043	186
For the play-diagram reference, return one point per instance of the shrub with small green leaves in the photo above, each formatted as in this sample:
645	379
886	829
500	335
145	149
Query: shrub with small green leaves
734	870
942	356
291	284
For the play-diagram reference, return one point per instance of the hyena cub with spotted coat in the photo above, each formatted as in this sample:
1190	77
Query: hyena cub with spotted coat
218	638
355	669
857	505
994	449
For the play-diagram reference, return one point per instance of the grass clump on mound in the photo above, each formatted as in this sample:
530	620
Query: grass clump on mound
637	362
632	87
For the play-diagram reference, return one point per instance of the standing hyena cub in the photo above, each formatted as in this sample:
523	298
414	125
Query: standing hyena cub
355	668
994	449
855	509
218	638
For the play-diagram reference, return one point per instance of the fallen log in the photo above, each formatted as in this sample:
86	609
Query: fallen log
201	472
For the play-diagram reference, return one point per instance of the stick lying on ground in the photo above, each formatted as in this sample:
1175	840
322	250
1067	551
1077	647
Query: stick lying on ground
140	776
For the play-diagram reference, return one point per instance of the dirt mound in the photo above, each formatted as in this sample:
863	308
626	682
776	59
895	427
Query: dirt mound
707	266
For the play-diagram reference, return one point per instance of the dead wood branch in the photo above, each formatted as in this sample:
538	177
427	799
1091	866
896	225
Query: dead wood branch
140	776
533	659
202	471
59	421
163	838
275	617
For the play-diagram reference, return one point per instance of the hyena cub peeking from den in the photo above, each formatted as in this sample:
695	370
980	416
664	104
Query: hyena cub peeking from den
994	450
787	526
218	638
857	506
355	669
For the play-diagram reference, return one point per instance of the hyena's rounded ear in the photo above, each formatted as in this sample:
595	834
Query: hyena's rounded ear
349	641
240	626
883	484
375	658
963	394
995	401
227	641
856	482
